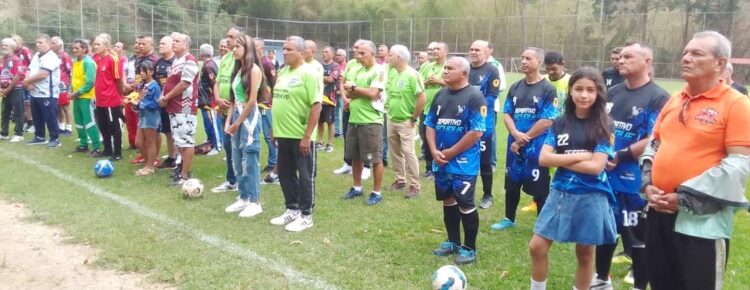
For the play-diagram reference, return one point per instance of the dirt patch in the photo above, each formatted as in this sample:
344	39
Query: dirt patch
35	256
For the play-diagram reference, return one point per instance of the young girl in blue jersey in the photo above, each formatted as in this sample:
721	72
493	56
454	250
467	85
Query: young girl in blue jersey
577	209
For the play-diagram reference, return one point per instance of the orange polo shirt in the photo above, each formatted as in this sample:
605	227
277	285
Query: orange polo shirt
711	122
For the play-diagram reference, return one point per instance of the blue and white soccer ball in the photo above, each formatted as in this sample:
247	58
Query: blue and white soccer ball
449	277
104	168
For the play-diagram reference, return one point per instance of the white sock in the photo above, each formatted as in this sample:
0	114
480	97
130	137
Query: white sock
61	125
69	127
376	192
538	285
357	188
273	175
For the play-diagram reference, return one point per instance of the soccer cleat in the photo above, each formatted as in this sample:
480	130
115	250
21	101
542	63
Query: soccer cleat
302	223
428	175
398	185
116	157
270	179
81	149
599	284
445	248
37	141
54	144
16	139
374	198
486	202
531	207
252	209
226	186
288	216
502	225
466	255
344	169
237	206
168	163
365	173
329	148
629	277
352	193
412	193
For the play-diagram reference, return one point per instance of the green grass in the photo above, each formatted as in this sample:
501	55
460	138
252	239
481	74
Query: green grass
352	246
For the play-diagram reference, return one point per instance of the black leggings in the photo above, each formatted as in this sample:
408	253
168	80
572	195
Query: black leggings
108	121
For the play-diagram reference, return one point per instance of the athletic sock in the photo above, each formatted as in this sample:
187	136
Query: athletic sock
538	285
512	197
470	222
487	185
376	192
69	127
452	220
357	188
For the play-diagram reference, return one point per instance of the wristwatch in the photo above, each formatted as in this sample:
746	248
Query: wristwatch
414	120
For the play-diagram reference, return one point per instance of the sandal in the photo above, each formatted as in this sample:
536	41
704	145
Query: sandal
144	171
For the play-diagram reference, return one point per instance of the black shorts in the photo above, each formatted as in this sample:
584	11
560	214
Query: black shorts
460	187
536	187
485	153
166	128
326	114
631	219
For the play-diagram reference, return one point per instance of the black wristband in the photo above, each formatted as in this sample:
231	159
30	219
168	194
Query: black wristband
625	155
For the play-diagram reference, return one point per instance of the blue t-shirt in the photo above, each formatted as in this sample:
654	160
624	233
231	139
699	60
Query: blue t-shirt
453	114
151	98
568	136
487	79
527	104
634	113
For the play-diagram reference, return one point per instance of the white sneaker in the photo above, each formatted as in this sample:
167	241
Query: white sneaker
237	206
224	187
4	137
285	218
365	173
16	139
212	152
302	223
599	284
345	169
252	209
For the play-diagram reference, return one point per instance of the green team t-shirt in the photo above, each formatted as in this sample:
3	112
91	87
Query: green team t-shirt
561	86
224	76
427	70
320	72
351	68
361	109
402	89
295	92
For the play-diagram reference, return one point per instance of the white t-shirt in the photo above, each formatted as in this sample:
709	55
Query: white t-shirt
49	86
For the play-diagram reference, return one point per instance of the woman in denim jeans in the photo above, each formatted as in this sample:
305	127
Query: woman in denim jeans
248	88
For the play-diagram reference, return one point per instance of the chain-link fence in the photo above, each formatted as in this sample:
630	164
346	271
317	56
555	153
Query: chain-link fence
582	39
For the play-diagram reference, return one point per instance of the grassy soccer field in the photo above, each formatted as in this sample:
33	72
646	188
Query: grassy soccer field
144	225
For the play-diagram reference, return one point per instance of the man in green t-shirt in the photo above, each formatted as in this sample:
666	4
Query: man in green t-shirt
221	90
405	102
364	138
556	75
296	109
432	74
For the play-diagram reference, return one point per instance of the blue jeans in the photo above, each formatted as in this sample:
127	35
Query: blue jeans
265	121
246	159
44	111
227	141
212	128
337	115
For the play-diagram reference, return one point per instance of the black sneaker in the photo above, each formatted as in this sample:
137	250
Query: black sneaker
446	248
486	202
168	163
116	157
65	133
96	153
352	193
267	169
81	149
37	141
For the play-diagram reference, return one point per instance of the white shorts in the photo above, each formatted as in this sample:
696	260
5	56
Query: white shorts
183	129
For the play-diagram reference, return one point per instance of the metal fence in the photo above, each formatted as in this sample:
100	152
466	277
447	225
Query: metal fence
582	39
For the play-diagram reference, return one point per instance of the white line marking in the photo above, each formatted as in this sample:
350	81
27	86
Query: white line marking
215	241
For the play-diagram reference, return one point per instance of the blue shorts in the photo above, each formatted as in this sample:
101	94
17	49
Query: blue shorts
460	187
581	218
149	119
630	217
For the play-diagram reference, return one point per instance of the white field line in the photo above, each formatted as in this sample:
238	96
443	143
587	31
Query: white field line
215	241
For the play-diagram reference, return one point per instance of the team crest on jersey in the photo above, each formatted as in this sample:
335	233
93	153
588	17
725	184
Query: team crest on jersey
536	100
461	109
496	83
612	139
556	103
636	111
293	82
401	84
707	116
483	111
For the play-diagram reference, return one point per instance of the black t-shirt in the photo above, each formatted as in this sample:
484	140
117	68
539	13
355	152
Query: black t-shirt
153	58
486	78
740	88
161	70
611	77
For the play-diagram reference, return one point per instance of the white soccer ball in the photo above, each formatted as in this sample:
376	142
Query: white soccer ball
449	277
192	188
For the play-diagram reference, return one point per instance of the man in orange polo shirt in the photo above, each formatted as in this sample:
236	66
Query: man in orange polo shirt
702	128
